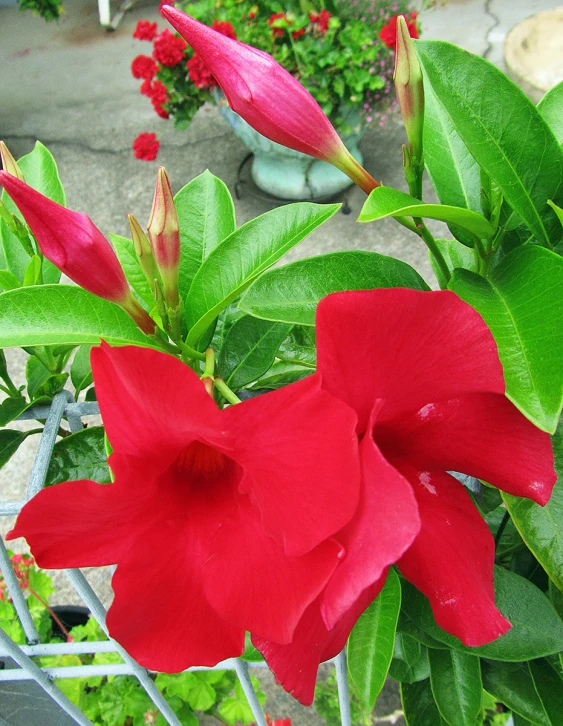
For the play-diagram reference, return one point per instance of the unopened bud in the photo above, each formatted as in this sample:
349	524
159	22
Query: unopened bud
143	250
164	235
410	89
9	164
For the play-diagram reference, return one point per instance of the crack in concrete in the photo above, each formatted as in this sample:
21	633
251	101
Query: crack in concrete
496	22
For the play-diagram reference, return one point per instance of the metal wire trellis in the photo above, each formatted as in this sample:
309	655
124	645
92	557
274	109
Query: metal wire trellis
64	406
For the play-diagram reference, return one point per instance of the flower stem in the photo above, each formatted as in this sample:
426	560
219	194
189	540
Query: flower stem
226	392
430	242
51	612
190	352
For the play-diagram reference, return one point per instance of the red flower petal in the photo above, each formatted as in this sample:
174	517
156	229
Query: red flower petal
160	614
451	561
385	524
295	665
294	443
152	404
404	346
481	434
250	581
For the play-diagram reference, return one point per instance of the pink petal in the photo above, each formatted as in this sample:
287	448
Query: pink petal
385	524
404	346
299	450
480	434
451	561
252	583
295	665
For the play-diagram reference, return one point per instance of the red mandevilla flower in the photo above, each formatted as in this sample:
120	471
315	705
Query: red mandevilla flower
145	30
146	146
168	49
245	499
143	66
388	33
430	399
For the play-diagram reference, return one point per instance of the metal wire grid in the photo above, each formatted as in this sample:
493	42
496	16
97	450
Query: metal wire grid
63	406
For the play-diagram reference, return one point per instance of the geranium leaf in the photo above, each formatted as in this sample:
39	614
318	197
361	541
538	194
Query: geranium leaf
455	678
521	303
125	252
541	528
63	315
419	705
371	642
10	441
245	254
79	456
386	202
249	349
512	684
537	629
551	108
291	293
207	216
549	687
502	130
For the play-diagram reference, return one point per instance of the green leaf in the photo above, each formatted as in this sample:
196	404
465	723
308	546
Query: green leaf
371	642
537	629
207	216
125	251
63	314
281	374
303	355
291	293
387	202
419	705
249	350
454	173
8	281
410	660
235	708
512	684
32	272
79	456
456	255
549	687
81	370
11	408
242	256
558	211
521	303
36	375
455	678
502	130
541	528
551	108
9	443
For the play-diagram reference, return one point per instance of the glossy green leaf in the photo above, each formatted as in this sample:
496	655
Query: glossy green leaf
61	315
36	375
245	254
541	528
125	251
522	304
558	211
387	202
303	355
371	642
8	281
9	443
410	660
207	216
456	255
249	349
291	293
281	374
454	173
455	678
512	684
537	629
502	130
551	108
419	705
11	408
79	456
32	274
549	687
81	370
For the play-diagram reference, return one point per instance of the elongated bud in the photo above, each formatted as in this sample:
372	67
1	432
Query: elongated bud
410	89
267	97
9	164
164	235
143	250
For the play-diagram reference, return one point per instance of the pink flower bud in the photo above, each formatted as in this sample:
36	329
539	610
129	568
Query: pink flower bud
267	97
410	88
164	235
9	163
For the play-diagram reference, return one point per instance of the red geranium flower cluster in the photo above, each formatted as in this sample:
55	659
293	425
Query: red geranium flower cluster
146	147
276	32
225	28
168	48
21	564
143	66
164	3
320	20
145	30
388	33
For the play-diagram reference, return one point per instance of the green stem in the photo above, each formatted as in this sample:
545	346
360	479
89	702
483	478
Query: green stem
501	528
209	369
33	431
191	352
226	392
430	242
